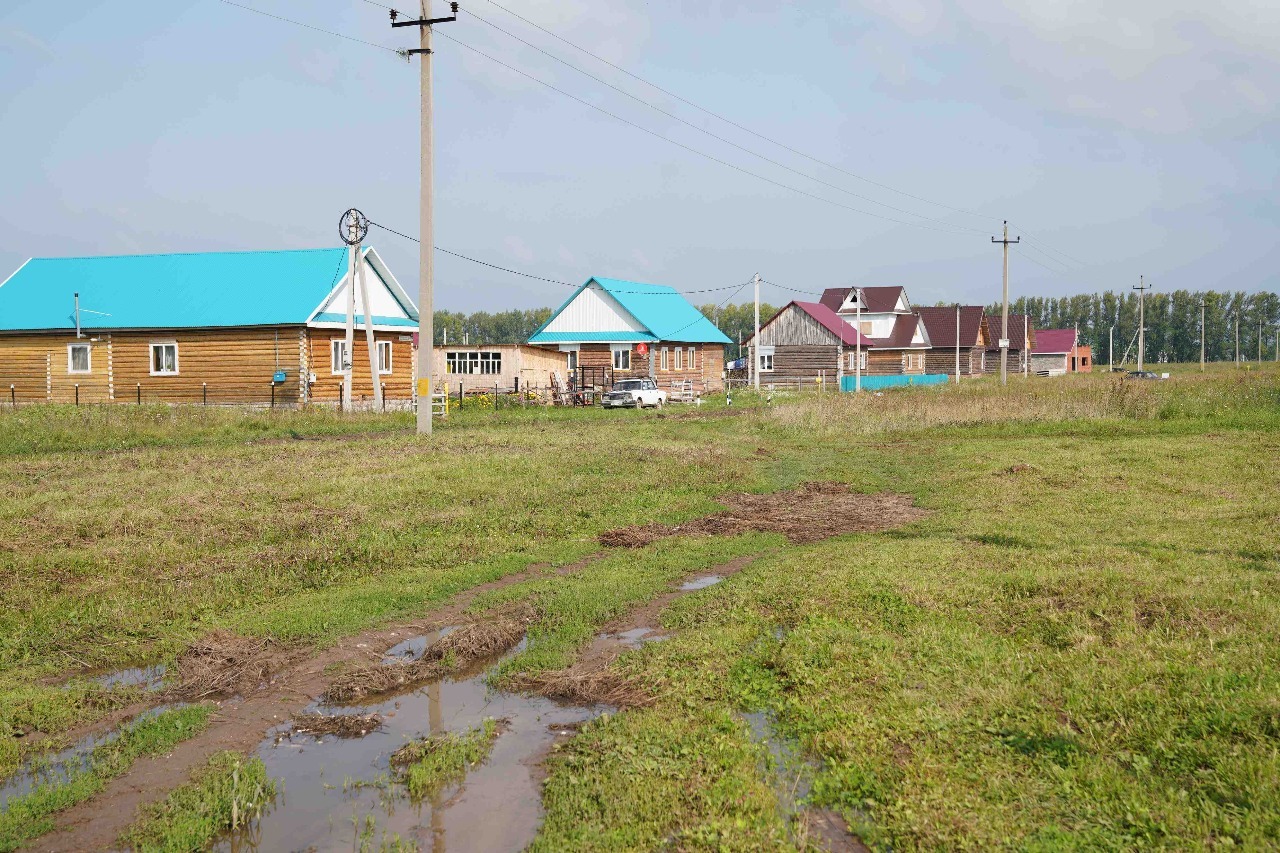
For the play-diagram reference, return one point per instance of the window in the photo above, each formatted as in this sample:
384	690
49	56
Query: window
693	358
475	363
679	359
913	361
338	358
858	360
766	362
622	357
664	363
866	328
164	359
384	356
573	359
78	358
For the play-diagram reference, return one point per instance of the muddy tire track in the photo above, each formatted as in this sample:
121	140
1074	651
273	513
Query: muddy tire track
241	723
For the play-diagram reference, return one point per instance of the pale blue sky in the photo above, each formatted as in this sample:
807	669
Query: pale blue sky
1132	138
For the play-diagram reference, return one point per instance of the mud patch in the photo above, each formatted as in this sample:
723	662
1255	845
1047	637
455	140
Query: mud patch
701	583
453	652
634	638
147	678
1020	468
810	513
223	664
826	830
337	725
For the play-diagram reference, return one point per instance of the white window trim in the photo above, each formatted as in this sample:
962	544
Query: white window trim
378	345
678	362
615	350
665	361
763	356
571	359
334	343
856	356
89	359
151	358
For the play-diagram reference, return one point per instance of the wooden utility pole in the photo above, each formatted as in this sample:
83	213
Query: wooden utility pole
369	341
1142	289
426	247
1202	306
1004	321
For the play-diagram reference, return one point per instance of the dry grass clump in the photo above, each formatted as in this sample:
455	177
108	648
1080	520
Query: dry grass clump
338	725
222	663
596	687
810	513
453	652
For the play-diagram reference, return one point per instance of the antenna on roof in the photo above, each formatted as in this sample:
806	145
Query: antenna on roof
79	334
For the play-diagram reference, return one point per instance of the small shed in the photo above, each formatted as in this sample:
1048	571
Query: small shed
1058	351
494	367
969	347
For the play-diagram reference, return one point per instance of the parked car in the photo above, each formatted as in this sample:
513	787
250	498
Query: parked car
634	393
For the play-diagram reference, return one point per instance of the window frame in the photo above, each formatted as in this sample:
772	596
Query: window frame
571	360
88	359
678	361
664	361
621	352
334	345
378	347
151	358
855	356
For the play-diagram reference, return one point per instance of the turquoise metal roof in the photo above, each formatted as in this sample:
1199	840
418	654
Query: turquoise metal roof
335	317
666	314
590	337
171	291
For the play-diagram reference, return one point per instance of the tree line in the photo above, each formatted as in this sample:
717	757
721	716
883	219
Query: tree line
1172	321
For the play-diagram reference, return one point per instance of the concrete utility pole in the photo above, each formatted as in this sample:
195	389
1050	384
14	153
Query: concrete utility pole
957	343
1259	342
369	340
1202	307
1004	322
1237	339
426	248
1026	343
755	341
857	342
1111	349
1142	289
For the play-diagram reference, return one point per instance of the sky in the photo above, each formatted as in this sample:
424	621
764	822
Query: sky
894	136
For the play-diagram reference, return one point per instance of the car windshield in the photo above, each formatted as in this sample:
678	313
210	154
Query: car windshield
630	385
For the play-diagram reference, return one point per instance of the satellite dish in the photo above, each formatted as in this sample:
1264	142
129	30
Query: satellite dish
353	227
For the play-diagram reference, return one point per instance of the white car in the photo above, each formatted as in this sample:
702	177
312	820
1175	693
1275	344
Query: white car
637	393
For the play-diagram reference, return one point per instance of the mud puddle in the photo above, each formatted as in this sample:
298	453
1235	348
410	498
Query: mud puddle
412	648
56	769
635	637
149	678
341	793
701	583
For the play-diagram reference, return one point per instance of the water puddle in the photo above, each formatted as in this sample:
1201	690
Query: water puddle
149	678
636	637
56	769
413	647
701	583
792	774
341	793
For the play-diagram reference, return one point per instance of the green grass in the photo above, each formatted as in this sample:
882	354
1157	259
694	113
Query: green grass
230	792
428	766
1076	649
32	814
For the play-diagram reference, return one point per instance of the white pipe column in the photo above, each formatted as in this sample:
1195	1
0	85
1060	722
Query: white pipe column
368	330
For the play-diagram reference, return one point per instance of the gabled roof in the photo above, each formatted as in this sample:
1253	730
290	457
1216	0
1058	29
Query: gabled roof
663	313
1016	341
181	291
906	327
941	325
828	319
875	300
1053	341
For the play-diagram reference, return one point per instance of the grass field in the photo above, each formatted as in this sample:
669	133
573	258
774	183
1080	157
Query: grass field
1078	648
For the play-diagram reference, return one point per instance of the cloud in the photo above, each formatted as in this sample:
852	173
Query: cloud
1158	67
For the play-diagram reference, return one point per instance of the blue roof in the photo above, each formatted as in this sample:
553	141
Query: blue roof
666	314
171	291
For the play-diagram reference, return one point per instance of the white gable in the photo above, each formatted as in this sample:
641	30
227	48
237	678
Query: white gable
383	302
594	310
918	337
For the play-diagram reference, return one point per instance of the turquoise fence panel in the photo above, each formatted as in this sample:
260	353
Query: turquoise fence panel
879	383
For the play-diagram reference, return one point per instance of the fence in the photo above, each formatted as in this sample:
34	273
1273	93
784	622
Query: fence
879	383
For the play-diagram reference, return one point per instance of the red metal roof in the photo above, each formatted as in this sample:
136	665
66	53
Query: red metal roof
940	323
833	297
875	300
1054	340
848	335
904	330
1016	341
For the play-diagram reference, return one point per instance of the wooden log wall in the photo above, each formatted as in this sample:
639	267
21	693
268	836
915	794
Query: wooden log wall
705	370
804	362
327	387
36	365
234	365
943	360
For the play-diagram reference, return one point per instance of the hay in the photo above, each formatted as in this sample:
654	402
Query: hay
338	725
810	513
222	663
451	653
596	687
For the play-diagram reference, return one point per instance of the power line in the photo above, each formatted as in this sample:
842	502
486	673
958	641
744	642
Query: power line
525	274
309	26
703	130
688	148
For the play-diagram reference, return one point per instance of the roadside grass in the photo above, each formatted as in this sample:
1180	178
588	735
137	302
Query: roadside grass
1077	649
31	815
230	792
428	766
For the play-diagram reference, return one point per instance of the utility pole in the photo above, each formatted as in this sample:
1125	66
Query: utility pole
1026	343
1202	307
1237	339
1111	349
426	248
1259	342
857	342
1004	322
1142	289
755	341
957	343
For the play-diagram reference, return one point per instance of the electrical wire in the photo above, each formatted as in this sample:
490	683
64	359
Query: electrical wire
310	27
